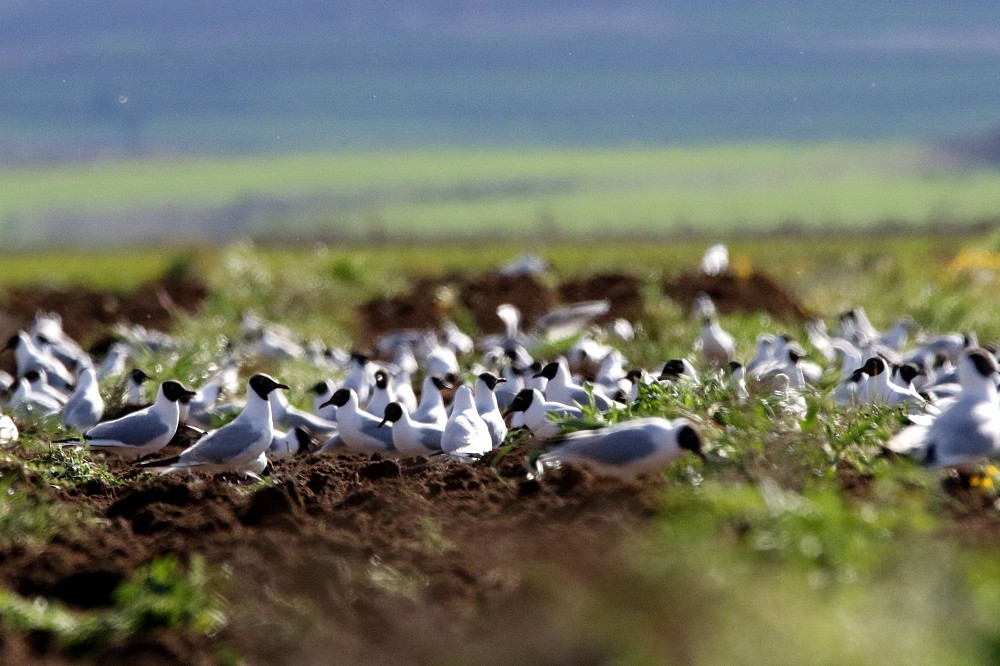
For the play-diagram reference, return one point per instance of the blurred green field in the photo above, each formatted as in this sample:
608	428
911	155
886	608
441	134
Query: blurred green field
469	193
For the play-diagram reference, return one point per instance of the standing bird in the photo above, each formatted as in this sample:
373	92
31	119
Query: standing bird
561	388
358	429
144	432
717	346
286	444
133	387
409	437
627	449
85	406
381	395
431	408
968	430
489	410
238	445
536	412
29	356
465	433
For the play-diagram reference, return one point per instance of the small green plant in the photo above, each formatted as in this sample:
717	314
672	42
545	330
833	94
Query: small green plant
163	594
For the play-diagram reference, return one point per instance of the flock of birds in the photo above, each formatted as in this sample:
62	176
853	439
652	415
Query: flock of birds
946	383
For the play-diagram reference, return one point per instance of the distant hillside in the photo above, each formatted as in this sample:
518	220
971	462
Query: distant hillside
124	77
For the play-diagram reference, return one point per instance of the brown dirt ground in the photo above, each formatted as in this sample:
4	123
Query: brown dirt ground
308	554
733	293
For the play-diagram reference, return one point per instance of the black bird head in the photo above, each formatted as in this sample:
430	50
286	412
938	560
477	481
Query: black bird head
985	364
174	391
263	384
549	371
382	379
490	380
672	369
689	440
874	366
12	342
521	402
339	398
138	376
320	387
440	384
393	412
304	440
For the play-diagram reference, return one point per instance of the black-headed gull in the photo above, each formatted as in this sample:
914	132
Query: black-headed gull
236	446
144	432
627	449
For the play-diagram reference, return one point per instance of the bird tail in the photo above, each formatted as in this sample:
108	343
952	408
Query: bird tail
161	466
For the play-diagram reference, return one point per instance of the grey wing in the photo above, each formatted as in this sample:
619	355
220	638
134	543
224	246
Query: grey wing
82	410
617	447
959	436
430	437
226	444
369	428
136	429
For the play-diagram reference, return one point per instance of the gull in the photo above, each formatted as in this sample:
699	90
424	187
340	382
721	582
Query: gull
440	359
402	386
536	413
28	402
47	330
292	417
84	408
28	356
568	320
114	361
717	346
527	264
381	395
967	430
702	306
238	445
562	388
40	384
635	379
895	337
513	382
431	408
409	437
628	449
324	390
6	380
679	369
286	444
133	387
465	433
820	340
715	262
359	377
8	430
883	391
358	429
144	432
489	410
737	382
459	342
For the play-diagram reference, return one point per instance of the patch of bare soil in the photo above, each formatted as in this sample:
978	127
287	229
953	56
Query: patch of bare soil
424	306
349	558
87	314
484	293
623	292
734	293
